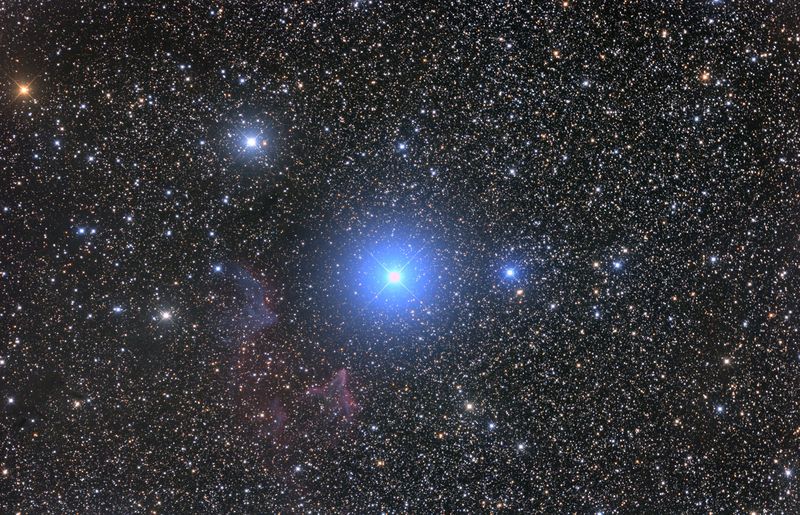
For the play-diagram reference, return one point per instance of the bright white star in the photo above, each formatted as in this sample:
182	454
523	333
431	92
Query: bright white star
394	277
251	142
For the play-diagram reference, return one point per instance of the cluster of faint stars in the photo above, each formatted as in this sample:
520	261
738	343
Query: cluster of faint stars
297	258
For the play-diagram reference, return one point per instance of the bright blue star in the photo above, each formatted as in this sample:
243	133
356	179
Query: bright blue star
251	142
396	276
510	272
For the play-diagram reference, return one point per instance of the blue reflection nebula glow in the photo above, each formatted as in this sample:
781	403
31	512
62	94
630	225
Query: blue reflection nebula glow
393	276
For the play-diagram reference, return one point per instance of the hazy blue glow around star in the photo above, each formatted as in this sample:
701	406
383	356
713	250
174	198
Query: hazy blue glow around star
392	275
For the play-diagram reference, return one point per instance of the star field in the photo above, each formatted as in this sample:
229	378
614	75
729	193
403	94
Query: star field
375	257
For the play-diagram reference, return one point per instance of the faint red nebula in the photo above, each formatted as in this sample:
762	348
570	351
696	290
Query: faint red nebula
338	395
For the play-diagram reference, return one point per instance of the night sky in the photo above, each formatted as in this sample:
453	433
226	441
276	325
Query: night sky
374	256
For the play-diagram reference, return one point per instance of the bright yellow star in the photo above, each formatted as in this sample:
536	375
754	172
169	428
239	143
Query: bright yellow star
23	89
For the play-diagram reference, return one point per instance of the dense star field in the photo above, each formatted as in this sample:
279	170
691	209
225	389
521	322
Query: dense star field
399	257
